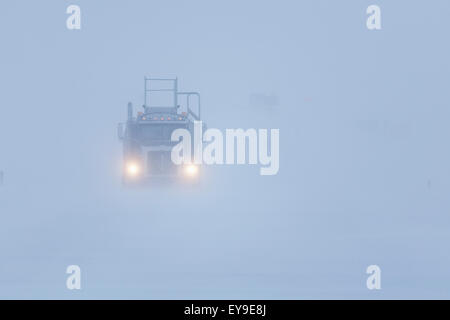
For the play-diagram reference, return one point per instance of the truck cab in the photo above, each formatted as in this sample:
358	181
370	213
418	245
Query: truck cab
146	136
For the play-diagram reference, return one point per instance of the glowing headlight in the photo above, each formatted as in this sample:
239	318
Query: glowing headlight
191	170
132	169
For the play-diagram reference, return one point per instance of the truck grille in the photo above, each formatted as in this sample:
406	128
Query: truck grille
160	163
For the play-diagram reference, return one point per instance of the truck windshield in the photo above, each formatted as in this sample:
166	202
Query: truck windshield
157	131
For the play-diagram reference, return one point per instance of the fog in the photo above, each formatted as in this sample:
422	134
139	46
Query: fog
364	160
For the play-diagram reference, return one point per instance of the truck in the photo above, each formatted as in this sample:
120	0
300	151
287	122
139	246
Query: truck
146	136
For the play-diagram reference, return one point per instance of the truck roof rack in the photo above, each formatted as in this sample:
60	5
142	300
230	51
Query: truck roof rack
148	89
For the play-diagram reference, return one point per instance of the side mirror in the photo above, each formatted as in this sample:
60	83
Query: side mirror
130	111
120	131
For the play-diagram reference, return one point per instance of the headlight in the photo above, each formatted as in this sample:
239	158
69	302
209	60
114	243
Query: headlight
132	169
191	170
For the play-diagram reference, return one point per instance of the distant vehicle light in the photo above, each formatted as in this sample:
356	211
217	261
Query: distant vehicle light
191	170
169	118
132	169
